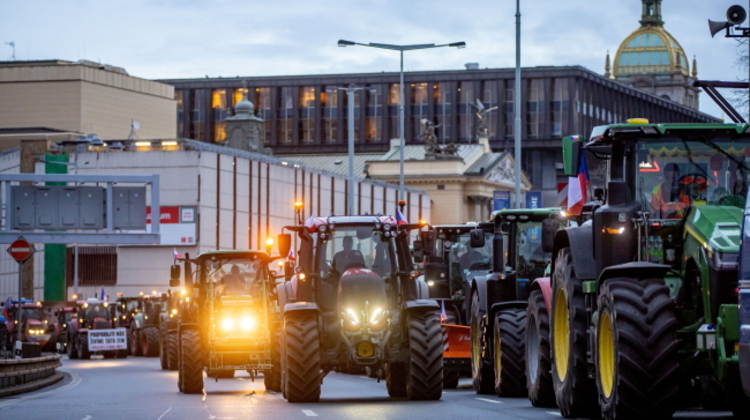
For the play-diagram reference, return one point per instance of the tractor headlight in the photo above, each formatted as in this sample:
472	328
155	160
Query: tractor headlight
376	316
247	323
227	324
351	316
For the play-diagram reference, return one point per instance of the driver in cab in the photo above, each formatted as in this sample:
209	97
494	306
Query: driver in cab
348	257
233	283
669	199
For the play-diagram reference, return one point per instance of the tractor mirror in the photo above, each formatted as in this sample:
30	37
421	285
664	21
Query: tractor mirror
417	252
285	244
174	276
549	228
477	238
571	154
428	241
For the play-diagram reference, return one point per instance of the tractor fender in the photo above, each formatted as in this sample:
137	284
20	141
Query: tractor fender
545	285
637	270
497	307
420	305
301	306
423	291
580	240
284	293
479	284
187	327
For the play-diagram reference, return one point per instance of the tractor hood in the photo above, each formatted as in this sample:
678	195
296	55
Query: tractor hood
717	228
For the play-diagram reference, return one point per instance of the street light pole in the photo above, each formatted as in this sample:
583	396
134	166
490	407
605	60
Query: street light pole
517	122
401	105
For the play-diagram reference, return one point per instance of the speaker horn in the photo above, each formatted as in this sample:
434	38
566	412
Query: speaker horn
716	27
736	15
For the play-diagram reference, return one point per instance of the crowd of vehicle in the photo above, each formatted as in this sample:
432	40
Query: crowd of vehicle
633	304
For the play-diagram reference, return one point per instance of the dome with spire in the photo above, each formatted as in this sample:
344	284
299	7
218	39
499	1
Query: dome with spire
650	48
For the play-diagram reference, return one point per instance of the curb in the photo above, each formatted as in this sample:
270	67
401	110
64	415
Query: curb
32	386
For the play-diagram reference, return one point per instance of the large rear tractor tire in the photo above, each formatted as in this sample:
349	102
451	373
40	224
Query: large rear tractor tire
150	341
575	392
172	345
272	377
395	379
425	380
538	363
83	350
510	352
302	358
135	342
163	360
191	362
482	373
636	349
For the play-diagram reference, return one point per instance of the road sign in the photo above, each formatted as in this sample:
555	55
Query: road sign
21	249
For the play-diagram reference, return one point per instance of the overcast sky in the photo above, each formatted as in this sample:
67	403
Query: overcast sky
193	38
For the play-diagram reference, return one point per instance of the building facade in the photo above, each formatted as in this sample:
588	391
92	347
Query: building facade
307	115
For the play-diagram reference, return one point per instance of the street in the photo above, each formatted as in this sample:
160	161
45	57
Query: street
136	388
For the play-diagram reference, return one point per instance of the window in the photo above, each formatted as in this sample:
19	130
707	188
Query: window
442	99
307	114
466	110
198	115
178	97
560	106
263	99
285	117
367	249
345	111
535	108
393	122
489	99
97	265
238	94
220	111
374	118
329	101
418	107
509	108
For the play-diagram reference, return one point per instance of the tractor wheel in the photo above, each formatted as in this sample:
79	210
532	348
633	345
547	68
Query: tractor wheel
191	362
150	341
71	348
425	367
636	349
482	374
135	342
121	354
450	379
538	364
738	401
272	377
395	379
83	351
509	340
302	358
163	358
575	392
172	345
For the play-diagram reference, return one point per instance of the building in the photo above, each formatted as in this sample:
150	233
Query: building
304	116
651	60
57	99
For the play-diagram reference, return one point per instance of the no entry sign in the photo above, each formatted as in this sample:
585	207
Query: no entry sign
21	249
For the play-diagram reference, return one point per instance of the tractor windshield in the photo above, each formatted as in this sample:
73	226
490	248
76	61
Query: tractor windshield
236	276
675	173
356	246
32	313
462	258
96	310
531	261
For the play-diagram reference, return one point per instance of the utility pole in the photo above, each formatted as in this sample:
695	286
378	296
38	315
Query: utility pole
517	123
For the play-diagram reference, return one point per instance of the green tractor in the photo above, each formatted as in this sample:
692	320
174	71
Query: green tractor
643	297
140	315
168	330
499	299
227	318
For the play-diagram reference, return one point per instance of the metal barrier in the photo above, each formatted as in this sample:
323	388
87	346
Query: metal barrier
14	372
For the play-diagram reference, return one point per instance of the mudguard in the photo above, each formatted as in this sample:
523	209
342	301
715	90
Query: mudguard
516	304
420	304
284	293
301	306
480	285
188	327
580	241
544	284
637	270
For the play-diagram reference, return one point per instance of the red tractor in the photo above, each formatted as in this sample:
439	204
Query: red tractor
93	314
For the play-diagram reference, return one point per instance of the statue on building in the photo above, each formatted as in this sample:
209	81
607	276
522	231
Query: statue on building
432	149
482	112
245	130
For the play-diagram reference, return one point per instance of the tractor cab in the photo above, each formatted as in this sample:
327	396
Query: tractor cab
93	314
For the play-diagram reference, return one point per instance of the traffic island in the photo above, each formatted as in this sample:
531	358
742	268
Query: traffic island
18	376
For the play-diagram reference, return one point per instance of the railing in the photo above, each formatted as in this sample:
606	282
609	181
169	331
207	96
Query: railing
14	372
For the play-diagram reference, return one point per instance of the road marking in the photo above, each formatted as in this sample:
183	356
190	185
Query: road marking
490	401
309	413
554	413
87	418
364	377
76	380
164	413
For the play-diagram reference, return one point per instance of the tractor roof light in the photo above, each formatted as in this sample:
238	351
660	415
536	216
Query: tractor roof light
269	241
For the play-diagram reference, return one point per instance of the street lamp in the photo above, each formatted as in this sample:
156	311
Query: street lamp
517	123
736	15
350	123
401	49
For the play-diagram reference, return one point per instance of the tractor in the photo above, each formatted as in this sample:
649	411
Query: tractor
355	298
34	328
499	299
450	266
63	316
643	298
92	314
140	315
226	318
744	290
168	331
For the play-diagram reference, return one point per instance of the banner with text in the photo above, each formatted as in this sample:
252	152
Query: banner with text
114	339
177	225
501	200
534	201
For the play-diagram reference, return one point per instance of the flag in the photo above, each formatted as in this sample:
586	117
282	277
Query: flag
175	254
443	315
577	196
6	309
400	219
310	223
291	256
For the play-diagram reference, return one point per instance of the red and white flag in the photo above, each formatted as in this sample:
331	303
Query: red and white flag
577	195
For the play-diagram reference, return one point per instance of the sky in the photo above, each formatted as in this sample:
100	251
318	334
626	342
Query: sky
160	39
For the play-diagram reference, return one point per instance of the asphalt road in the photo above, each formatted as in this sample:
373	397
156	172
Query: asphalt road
136	388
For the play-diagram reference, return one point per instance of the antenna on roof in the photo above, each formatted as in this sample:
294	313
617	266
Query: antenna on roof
12	45
134	125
